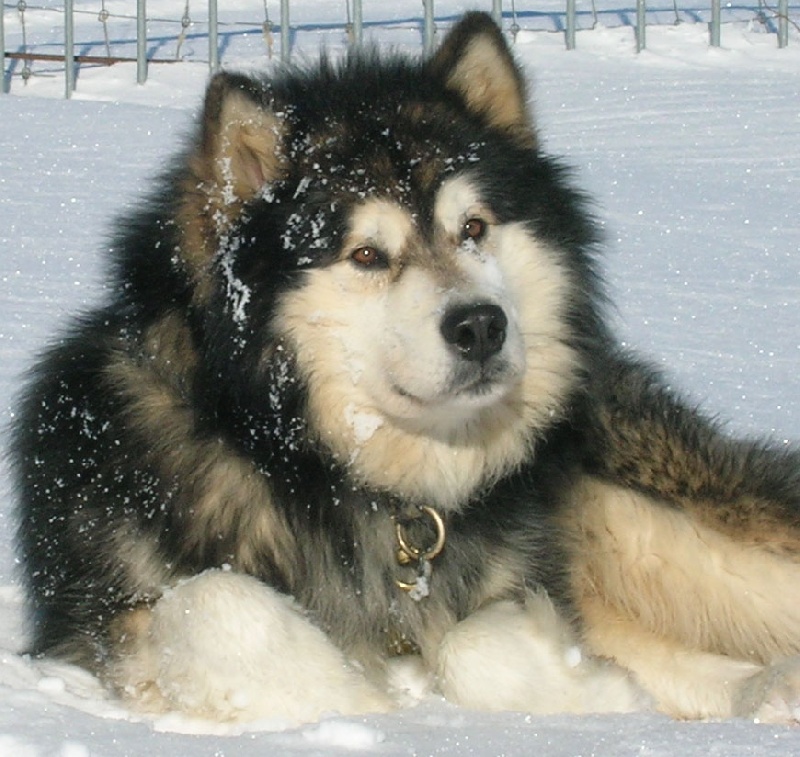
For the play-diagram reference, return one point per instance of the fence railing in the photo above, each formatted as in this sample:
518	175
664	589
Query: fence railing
567	22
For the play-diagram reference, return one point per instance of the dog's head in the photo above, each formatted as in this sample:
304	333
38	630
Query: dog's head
388	233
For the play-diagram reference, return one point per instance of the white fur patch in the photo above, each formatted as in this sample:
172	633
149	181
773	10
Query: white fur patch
509	657
364	424
382	224
226	647
457	201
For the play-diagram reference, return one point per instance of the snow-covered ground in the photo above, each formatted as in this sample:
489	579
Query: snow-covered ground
693	155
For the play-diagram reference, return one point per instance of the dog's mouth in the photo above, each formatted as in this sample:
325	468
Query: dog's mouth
479	388
470	385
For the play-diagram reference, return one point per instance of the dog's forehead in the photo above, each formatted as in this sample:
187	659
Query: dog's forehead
396	150
458	197
383	222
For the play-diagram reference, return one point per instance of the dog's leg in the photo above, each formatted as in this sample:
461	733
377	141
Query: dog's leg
695	614
225	646
689	683
508	656
773	695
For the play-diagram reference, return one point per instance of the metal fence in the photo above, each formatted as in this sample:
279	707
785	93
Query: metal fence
566	21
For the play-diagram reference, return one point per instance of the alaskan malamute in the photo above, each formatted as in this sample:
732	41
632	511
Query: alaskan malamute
351	428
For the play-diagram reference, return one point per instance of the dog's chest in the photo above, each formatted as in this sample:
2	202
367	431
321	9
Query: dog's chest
407	578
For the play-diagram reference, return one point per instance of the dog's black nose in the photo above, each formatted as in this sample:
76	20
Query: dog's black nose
475	331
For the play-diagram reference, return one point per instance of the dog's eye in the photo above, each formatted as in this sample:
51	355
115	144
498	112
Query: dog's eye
474	228
367	257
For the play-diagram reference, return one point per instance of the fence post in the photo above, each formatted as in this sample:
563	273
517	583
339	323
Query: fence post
570	30
641	23
714	27
213	36
783	23
285	30
3	89
69	49
358	22
141	41
428	28
497	11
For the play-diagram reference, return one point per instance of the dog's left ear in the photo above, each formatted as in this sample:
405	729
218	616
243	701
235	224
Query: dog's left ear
475	61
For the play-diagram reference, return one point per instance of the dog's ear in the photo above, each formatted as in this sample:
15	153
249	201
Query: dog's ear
475	61
239	149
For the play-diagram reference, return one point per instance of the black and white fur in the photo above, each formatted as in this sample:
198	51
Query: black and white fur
363	291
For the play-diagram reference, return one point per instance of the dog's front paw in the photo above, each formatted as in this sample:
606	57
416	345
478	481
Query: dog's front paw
773	694
509	656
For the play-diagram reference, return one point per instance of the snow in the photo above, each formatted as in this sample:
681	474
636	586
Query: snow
693	157
364	424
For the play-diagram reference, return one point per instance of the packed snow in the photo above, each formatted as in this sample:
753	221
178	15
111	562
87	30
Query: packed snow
693	157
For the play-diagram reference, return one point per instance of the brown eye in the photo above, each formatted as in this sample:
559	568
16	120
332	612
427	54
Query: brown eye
474	228
367	257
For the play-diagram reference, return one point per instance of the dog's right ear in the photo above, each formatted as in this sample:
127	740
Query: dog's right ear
239	149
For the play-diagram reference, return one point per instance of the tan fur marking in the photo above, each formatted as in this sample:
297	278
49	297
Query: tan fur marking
503	579
144	571
129	635
677	579
246	152
489	85
481	69
129	626
168	346
229	497
685	683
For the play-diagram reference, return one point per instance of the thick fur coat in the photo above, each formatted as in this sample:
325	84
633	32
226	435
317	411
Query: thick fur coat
351	429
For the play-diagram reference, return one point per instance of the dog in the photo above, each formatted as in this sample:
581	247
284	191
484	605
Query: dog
351	430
